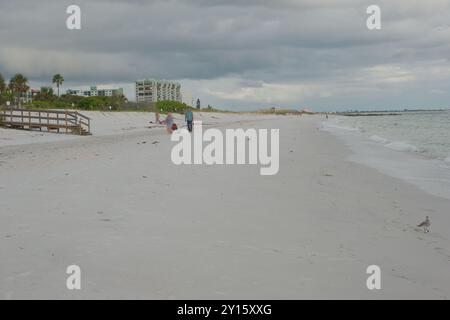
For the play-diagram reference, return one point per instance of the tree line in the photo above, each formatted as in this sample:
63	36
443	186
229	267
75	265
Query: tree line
16	90
18	87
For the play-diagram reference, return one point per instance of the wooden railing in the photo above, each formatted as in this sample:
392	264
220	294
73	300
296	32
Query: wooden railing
53	120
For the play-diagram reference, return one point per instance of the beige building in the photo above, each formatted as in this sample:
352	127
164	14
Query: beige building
150	90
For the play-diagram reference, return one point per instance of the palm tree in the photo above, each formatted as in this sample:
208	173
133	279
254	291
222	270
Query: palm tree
18	85
45	94
58	80
2	84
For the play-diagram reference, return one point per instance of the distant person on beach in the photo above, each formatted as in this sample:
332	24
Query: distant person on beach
158	121
189	116
169	123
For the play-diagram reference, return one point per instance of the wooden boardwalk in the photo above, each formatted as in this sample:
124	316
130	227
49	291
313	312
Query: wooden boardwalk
69	122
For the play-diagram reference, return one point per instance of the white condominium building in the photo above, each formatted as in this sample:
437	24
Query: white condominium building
95	92
149	90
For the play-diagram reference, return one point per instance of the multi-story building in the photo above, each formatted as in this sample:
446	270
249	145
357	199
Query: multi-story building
150	90
95	92
28	96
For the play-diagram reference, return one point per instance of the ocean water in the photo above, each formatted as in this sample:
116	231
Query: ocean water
422	132
413	146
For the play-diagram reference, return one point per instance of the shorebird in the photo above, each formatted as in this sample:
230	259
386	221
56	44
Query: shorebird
425	225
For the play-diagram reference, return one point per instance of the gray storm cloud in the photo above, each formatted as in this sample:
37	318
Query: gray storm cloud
241	54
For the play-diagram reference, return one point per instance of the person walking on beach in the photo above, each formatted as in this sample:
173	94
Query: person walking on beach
189	117
169	123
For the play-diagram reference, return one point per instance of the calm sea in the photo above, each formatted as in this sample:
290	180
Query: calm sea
423	132
413	146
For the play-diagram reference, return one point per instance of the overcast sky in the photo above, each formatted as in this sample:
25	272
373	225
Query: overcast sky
240	54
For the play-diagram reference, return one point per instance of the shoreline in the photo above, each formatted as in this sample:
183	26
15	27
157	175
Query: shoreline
117	208
394	158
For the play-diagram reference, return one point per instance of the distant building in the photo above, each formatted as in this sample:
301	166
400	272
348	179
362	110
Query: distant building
150	90
95	92
28	96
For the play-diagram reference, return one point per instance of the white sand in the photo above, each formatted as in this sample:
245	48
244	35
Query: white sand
140	227
117	123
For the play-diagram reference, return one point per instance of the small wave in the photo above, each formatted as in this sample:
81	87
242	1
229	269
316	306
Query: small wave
402	146
447	159
330	125
379	139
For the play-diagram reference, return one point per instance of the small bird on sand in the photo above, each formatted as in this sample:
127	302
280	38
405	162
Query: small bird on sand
425	225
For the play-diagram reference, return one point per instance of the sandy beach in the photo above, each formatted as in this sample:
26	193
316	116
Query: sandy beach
142	228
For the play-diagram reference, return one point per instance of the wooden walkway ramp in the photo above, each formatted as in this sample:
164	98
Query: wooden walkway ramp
69	122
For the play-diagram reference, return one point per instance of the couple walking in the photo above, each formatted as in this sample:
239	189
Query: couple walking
170	124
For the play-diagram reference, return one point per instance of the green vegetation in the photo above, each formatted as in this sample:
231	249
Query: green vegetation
45	99
2	84
178	107
3	91
46	94
212	109
5	96
278	111
18	86
170	106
